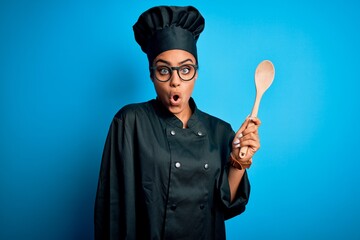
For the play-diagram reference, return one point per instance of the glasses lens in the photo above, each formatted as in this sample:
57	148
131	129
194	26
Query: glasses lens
162	73
187	72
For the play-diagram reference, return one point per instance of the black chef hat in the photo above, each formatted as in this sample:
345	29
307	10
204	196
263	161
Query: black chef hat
164	28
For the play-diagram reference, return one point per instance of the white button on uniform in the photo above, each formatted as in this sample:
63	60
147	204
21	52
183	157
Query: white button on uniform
199	133
177	164
206	166
172	132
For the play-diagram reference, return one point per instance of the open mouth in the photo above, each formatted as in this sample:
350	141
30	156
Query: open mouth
176	97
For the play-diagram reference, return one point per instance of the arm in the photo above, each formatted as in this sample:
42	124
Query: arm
114	209
247	135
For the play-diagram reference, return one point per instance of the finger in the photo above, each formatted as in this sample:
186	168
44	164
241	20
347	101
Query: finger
251	144
255	120
250	136
251	128
242	128
236	142
254	144
236	145
235	150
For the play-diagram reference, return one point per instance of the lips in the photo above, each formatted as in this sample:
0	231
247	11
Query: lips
175	99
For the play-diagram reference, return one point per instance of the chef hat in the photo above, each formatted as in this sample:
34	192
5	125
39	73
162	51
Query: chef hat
164	28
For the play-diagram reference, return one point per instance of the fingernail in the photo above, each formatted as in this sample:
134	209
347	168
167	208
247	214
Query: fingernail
237	141
237	146
240	135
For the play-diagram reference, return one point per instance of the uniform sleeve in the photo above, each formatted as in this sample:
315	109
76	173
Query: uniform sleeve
237	206
111	221
241	199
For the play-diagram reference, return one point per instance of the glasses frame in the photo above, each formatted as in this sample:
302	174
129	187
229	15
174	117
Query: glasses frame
172	70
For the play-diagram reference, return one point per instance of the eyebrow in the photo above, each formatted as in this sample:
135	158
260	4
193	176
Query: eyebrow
168	63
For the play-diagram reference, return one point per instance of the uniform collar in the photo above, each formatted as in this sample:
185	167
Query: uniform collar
172	119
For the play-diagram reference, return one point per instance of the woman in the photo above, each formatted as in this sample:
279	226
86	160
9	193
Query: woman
169	170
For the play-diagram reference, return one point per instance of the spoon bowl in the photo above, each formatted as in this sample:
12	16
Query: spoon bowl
264	76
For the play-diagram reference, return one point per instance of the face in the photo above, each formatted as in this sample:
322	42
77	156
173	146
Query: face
175	93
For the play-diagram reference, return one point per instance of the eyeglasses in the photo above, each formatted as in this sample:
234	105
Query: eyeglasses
164	73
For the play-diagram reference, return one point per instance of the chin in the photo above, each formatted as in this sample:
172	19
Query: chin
175	109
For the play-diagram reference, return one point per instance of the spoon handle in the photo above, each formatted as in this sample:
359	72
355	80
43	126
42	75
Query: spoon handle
243	150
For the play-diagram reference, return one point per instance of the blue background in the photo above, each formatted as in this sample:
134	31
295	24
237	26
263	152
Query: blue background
66	67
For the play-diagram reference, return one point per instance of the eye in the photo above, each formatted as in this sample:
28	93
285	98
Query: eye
163	70
186	69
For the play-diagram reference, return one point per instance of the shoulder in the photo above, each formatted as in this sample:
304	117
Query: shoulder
213	122
133	110
209	120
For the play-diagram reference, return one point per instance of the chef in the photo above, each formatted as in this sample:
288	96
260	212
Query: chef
169	170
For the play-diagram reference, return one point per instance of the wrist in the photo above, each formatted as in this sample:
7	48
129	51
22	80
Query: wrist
237	164
234	163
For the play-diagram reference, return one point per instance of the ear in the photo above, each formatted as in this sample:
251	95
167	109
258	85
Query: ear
196	76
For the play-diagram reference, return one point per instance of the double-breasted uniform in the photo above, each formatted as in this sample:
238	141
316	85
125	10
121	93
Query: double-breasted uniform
161	181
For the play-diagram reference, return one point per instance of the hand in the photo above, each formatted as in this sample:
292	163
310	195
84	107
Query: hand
248	136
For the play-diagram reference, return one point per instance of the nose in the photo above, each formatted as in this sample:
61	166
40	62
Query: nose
175	80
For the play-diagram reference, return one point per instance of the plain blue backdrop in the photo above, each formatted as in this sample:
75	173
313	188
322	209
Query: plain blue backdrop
66	67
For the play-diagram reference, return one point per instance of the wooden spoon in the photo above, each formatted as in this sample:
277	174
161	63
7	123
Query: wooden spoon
264	76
